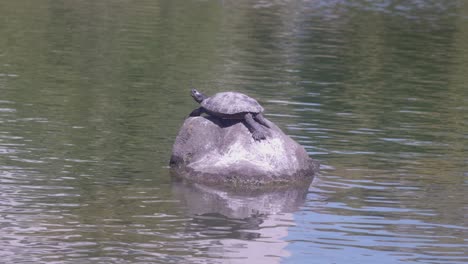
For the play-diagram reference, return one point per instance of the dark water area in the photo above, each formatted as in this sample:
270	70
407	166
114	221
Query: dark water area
92	94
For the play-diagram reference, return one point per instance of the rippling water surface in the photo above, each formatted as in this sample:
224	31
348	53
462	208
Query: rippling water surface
92	94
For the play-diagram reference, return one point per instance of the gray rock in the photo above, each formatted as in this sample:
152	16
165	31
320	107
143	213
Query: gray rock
210	151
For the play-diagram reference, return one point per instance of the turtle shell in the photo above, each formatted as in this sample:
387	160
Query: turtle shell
231	103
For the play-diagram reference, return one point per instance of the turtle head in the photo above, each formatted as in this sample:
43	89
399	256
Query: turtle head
199	97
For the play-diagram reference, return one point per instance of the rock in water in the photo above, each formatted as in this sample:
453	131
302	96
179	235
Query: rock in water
212	151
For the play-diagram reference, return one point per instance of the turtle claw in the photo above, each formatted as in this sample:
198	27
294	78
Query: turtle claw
258	135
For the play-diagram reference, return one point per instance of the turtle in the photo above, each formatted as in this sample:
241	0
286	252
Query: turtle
233	105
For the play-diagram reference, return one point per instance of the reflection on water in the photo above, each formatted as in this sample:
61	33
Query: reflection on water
244	225
92	95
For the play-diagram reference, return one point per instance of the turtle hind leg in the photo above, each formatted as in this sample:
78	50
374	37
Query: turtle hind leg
262	120
197	112
254	127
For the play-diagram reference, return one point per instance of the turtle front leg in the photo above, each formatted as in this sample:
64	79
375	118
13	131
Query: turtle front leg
262	120
197	112
254	127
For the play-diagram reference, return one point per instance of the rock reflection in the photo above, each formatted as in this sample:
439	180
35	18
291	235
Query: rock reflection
201	199
241	225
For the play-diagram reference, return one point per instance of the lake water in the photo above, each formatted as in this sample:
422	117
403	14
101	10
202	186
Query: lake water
92	94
